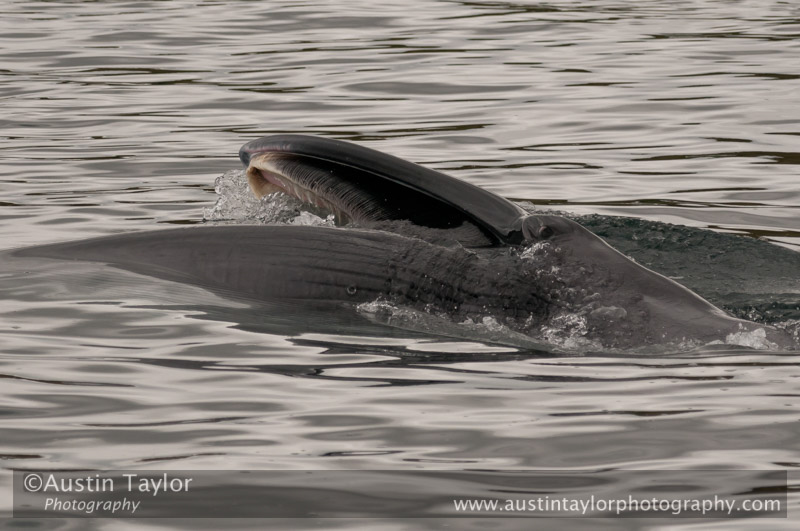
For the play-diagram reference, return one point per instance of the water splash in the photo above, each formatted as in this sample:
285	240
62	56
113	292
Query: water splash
487	330
234	199
756	339
568	331
236	204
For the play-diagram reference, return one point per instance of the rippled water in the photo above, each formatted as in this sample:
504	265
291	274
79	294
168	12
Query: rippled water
119	116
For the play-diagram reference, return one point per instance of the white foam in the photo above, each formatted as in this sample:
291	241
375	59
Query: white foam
756	339
236	204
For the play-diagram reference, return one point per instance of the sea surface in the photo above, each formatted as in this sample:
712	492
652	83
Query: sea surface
123	116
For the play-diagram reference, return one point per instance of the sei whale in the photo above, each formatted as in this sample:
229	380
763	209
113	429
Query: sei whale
422	239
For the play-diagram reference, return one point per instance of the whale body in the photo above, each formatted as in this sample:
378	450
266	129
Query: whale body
422	239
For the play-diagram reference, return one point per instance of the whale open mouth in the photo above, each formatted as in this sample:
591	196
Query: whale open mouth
270	173
366	186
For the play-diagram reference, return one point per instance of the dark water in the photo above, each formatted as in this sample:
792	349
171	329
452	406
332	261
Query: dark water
119	116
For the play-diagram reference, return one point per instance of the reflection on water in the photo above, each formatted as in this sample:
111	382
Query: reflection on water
118	116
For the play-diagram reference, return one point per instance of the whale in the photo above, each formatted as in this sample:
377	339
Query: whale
415	237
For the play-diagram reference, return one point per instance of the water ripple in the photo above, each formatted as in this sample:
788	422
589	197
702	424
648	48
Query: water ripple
119	116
